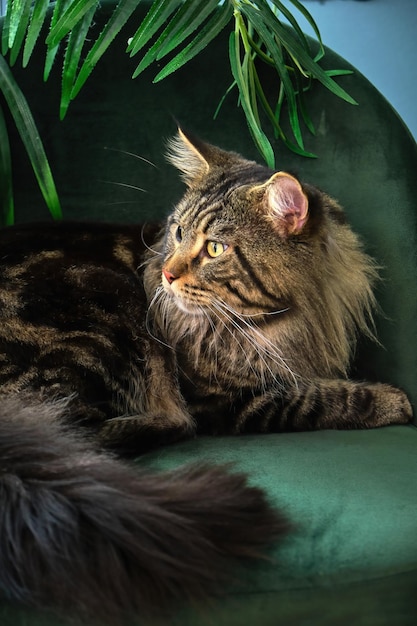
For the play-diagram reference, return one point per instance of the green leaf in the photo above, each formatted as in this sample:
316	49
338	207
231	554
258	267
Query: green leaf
223	98
249	72
339	72
72	58
291	19
303	59
297	150
191	16
52	51
188	17
324	78
278	106
259	92
5	32
16	10
150	56
6	183
19	21
261	140
268	39
313	25
274	119
155	18
70	17
30	136
152	52
303	110
36	23
214	26
115	23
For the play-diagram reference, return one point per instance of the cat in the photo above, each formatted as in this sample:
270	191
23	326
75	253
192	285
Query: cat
238	314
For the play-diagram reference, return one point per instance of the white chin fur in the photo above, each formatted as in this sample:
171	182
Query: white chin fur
185	307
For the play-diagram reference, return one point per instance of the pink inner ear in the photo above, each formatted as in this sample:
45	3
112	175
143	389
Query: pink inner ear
287	203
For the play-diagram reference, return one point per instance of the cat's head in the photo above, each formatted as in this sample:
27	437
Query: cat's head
238	235
249	244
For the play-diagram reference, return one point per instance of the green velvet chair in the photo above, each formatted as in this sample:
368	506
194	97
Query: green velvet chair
352	558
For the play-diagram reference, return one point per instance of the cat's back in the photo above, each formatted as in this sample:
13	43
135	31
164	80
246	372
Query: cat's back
71	303
52	272
48	272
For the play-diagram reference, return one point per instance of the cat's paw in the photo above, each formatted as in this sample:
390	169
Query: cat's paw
392	406
140	433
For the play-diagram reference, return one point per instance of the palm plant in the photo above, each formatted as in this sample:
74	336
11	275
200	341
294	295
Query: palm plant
263	33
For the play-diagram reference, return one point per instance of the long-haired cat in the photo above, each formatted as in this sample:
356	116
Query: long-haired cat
238	315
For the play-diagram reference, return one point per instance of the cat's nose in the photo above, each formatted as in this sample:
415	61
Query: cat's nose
169	276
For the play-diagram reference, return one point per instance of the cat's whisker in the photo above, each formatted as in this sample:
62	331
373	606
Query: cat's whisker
211	347
132	154
120	202
115	182
269	350
251	327
145	244
260	351
263	313
156	301
214	330
174	324
220	318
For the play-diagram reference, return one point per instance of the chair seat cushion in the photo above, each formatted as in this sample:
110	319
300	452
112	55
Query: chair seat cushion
352	496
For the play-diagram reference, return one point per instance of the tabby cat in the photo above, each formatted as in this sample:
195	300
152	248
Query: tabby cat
238	315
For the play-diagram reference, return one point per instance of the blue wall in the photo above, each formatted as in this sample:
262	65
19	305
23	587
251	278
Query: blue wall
378	37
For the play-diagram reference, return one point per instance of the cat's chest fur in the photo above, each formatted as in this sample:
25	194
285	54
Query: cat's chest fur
227	361
219	365
219	360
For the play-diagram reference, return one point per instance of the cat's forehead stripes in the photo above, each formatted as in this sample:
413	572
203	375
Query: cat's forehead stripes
215	195
201	214
208	218
197	246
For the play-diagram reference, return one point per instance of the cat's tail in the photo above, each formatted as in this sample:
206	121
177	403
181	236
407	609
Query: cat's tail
82	531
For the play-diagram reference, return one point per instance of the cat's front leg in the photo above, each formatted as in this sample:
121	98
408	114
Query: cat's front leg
155	411
321	404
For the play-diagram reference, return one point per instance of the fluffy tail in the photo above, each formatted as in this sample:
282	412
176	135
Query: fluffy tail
81	531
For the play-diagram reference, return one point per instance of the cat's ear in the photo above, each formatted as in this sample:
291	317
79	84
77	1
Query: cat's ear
186	154
285	203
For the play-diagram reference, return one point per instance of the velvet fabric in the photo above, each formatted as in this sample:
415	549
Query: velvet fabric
352	496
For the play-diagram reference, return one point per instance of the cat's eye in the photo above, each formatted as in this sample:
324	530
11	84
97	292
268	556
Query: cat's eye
179	234
215	248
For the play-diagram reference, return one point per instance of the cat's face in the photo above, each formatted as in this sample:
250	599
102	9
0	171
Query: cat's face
229	243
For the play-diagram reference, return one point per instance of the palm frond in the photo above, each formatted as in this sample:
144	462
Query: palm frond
29	134
219	19
37	20
263	32
6	187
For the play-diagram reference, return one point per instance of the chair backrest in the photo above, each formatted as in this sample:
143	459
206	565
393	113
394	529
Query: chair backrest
366	158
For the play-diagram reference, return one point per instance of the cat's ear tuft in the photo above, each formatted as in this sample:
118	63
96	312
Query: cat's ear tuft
285	203
185	153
